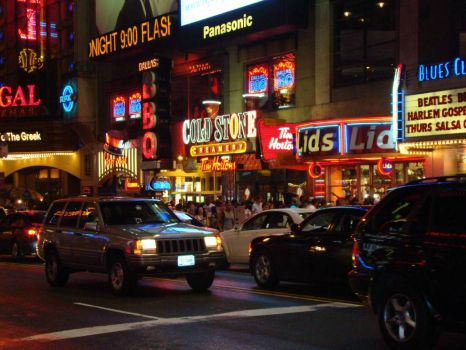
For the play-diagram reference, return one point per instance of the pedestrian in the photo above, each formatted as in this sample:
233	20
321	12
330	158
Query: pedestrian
313	205
257	206
228	217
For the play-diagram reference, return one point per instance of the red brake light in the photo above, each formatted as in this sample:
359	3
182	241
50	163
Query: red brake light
355	254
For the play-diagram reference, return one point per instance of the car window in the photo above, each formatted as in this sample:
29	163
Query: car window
255	223
392	215
347	223
55	213
276	219
135	212
304	215
18	221
319	222
448	211
71	214
88	214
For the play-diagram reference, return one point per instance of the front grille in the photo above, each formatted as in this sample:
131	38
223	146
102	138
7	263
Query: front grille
189	245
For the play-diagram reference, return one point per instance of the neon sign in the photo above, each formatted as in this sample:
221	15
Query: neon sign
229	127
217	164
119	108
213	149
442	70
67	98
258	79
18	98
315	170
135	105
284	75
347	136
160	185
30	61
30	32
385	166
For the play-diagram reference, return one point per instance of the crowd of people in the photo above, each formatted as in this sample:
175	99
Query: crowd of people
224	215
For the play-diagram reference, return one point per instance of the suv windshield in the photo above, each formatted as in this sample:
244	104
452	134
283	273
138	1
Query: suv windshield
135	212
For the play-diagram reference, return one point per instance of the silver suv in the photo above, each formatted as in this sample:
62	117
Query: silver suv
126	238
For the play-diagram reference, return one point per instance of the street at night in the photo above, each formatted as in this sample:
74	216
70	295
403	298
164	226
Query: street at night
166	314
232	174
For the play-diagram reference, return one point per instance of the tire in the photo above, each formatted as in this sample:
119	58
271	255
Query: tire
55	273
264	271
200	281
404	319
15	250
121	279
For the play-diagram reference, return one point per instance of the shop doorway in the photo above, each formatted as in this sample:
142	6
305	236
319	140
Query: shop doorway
37	187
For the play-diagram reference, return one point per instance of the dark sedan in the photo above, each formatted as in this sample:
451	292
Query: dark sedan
319	249
18	232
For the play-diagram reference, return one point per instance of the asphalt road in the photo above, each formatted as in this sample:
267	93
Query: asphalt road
166	314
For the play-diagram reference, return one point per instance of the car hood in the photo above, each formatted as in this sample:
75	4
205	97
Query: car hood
175	230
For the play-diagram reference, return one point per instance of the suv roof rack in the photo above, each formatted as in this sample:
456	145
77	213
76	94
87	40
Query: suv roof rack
447	178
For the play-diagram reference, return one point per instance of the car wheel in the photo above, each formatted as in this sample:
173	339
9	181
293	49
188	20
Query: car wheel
200	281
55	273
264	271
404	320
122	280
15	251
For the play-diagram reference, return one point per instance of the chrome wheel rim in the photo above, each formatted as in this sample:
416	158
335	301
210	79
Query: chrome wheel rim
117	276
263	268
52	268
400	317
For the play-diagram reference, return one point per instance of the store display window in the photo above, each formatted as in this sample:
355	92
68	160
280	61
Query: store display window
270	84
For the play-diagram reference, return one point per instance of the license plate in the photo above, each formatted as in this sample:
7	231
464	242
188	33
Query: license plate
186	260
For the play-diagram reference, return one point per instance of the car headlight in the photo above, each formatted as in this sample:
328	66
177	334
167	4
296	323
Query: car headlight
145	246
213	242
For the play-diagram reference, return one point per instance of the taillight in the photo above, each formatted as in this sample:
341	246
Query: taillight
31	232
355	254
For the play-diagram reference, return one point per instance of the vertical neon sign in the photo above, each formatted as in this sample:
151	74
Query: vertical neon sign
30	31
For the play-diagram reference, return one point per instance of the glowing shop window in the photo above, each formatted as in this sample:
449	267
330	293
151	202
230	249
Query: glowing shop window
258	77
284	73
119	108
135	105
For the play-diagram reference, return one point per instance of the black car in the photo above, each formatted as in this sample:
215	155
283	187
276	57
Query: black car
18	232
409	261
319	249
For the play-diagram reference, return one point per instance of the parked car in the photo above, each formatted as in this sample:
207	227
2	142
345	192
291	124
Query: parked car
18	233
269	222
317	250
409	261
189	219
126	238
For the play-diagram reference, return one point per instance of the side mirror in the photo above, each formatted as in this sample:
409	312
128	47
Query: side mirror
295	228
91	226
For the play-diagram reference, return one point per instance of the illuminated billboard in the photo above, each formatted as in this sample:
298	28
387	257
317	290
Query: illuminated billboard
117	14
196	10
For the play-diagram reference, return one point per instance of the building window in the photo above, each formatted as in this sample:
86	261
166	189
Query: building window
364	41
270	84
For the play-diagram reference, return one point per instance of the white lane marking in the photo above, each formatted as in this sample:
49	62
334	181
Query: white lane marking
117	311
98	330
